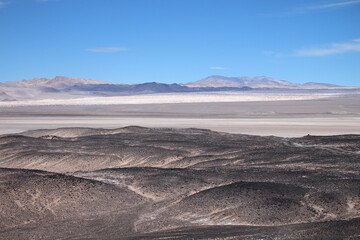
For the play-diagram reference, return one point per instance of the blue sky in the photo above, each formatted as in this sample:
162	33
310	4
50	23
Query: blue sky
133	41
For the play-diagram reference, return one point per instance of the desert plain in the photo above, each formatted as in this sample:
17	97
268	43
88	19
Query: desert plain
238	167
259	113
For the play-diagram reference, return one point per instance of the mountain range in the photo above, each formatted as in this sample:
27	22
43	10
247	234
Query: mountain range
253	82
69	87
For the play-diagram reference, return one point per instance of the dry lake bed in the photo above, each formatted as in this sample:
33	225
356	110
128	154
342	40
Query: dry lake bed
88	176
279	115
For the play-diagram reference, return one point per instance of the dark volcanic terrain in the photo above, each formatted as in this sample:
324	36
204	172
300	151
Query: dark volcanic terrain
146	183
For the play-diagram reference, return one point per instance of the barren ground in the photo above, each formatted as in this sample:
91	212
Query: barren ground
325	116
85	175
148	183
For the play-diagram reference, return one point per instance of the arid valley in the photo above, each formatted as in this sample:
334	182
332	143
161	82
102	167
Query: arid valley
257	166
179	119
257	112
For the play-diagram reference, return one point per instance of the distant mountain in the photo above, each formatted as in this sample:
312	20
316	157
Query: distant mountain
256	82
151	87
5	97
314	84
253	82
57	82
69	87
39	88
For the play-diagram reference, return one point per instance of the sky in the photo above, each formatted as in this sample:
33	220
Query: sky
135	41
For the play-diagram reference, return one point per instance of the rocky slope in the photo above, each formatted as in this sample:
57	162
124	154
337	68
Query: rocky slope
141	183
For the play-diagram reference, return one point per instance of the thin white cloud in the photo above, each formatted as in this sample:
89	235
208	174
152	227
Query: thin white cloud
44	1
274	54
312	9
2	4
107	49
331	5
333	48
217	68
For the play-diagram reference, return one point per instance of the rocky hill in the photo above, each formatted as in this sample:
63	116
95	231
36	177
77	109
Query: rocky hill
144	183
